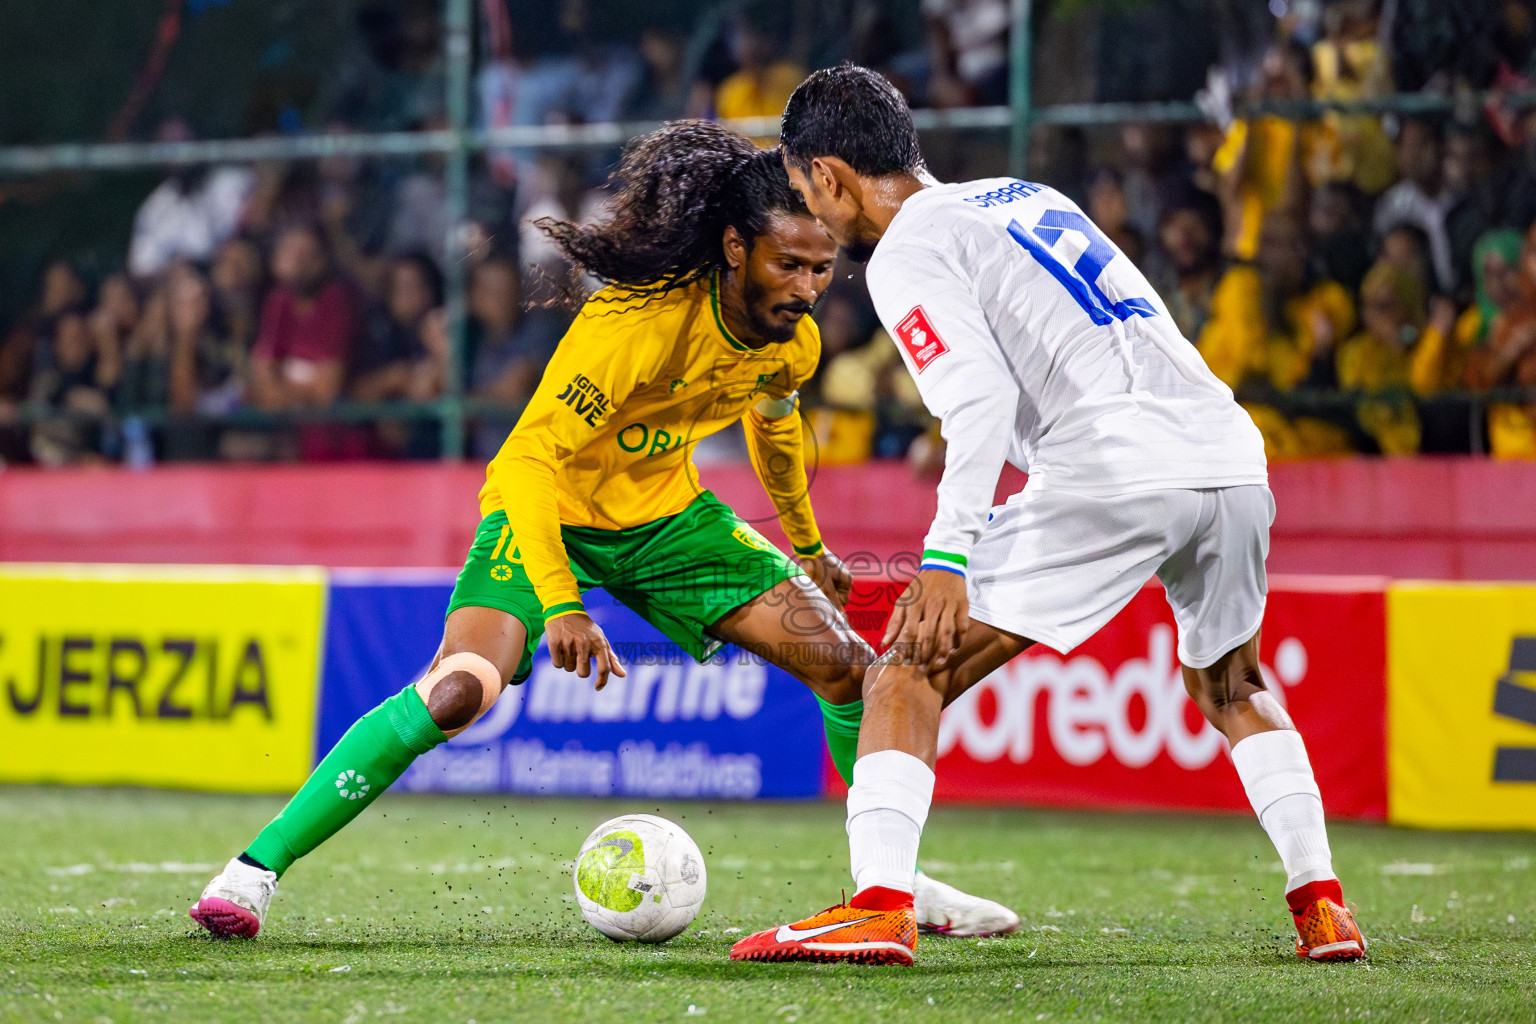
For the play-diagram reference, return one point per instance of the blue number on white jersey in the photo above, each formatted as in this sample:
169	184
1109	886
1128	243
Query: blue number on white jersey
1080	279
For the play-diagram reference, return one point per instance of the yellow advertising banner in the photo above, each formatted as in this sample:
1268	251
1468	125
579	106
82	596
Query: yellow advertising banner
197	677
1461	705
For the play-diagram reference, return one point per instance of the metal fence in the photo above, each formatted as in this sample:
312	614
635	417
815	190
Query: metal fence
460	140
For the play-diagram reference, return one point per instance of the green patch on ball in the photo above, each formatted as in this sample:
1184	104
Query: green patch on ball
605	871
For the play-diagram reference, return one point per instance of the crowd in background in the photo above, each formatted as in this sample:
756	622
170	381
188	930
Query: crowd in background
1360	281
275	291
1388	258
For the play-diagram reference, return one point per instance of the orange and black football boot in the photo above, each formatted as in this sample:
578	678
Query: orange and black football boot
884	931
1325	927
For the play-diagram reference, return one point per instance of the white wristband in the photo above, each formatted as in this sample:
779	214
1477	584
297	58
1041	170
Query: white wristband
774	408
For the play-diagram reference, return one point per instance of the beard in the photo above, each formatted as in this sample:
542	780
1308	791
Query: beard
763	325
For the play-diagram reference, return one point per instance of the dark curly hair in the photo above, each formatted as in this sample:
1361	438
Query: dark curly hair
678	189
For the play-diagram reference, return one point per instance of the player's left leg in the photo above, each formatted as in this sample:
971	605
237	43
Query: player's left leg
796	627
480	651
1216	586
490	631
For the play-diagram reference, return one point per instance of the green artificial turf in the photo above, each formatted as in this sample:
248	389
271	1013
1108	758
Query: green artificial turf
460	909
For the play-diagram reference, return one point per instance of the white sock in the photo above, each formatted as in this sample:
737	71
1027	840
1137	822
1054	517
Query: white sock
1278	780
887	807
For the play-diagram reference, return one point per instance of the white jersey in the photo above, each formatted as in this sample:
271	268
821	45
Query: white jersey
1035	340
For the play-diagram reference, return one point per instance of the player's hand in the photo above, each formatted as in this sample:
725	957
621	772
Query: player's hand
930	618
576	643
829	573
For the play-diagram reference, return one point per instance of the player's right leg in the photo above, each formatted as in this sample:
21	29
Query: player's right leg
887	808
706	576
1050	566
796	627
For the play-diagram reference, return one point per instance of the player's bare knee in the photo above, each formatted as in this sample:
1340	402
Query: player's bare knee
455	701
887	677
838	682
459	689
855	660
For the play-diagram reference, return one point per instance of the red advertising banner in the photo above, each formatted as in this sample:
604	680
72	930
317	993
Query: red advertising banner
1110	725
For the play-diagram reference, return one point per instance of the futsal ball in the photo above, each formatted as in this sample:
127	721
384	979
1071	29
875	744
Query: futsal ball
639	878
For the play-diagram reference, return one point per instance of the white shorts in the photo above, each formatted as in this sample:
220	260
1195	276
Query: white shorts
1055	567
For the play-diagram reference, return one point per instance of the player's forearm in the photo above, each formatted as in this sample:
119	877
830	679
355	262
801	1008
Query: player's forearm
526	484
977	436
775	444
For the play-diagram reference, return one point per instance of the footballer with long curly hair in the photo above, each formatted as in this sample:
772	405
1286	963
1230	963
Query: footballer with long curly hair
710	264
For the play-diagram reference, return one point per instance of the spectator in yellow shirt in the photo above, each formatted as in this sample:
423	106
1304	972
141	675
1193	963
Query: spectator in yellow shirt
1272	330
1350	64
1509	360
1380	361
761	86
1270	320
1443	358
1261	165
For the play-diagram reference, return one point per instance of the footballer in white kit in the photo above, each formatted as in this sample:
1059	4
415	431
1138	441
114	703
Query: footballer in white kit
1033	340
1036	341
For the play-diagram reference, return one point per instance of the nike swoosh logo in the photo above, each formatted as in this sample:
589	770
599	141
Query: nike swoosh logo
788	934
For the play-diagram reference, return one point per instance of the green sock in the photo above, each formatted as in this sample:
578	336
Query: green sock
375	752
841	722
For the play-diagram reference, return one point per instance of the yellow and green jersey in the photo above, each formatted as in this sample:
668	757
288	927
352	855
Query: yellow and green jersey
605	442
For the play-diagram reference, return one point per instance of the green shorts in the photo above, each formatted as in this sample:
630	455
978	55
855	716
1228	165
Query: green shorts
682	573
